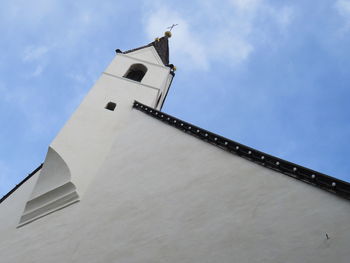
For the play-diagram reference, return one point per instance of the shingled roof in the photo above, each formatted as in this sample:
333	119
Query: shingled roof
162	47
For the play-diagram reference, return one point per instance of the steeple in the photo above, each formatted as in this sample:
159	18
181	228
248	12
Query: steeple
75	155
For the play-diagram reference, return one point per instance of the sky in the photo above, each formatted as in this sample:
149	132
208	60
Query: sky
271	74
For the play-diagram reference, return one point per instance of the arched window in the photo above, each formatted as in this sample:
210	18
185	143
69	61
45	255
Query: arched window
136	72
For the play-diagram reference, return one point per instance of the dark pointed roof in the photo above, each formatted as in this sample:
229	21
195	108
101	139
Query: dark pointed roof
162	47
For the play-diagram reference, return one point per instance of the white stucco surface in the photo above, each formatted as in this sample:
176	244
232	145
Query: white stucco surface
91	130
13	207
165	196
148	54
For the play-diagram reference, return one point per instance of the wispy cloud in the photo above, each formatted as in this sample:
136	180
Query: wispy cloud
246	4
343	8
32	53
38	70
229	33
36	57
187	45
31	114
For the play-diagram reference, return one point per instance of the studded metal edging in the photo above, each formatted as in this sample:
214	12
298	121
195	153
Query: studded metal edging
309	176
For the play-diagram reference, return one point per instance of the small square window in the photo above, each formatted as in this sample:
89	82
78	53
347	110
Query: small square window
110	106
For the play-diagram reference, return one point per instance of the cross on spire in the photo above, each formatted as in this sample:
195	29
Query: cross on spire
172	26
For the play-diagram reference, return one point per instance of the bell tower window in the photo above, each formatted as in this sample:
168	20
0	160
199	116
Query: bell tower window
136	72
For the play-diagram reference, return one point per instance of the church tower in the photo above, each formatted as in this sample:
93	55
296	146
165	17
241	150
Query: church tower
75	155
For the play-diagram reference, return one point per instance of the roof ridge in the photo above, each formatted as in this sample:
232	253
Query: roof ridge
20	183
320	180
161	45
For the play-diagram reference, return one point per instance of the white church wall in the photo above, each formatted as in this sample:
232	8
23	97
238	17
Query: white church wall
53	189
163	93
86	138
203	204
148	54
164	196
12	208
54	165
156	74
92	128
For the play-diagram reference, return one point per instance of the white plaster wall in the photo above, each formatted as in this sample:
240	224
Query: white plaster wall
156	73
148	54
165	196
86	138
12	208
163	93
53	174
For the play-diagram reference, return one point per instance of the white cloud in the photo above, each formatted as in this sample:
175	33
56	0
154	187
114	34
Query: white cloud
187	46
232	47
226	32
80	78
37	72
343	8
31	113
284	16
246	4
36	56
34	53
10	95
30	12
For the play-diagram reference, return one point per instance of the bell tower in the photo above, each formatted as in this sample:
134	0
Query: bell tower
75	155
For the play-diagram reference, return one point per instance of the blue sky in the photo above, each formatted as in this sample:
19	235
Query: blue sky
273	75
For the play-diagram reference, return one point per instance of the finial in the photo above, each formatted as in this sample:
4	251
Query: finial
168	33
173	68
